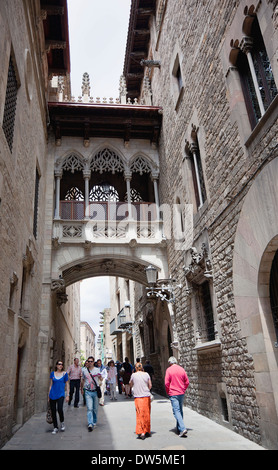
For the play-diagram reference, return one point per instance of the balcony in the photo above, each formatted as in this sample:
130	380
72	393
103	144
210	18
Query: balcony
124	318
113	327
106	210
121	322
104	221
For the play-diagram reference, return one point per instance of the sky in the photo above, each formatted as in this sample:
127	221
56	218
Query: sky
98	33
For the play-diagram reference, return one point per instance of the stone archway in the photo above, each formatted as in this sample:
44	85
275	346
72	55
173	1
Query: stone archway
255	244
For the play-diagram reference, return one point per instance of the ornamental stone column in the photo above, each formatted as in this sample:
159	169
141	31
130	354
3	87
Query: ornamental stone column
58	176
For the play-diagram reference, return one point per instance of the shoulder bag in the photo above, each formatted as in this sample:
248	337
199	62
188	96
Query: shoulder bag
49	419
97	386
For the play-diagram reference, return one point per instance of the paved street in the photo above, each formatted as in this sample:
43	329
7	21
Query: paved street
116	431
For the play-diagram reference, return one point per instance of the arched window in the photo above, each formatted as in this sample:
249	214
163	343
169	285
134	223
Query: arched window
257	80
192	150
74	194
104	192
169	342
106	160
151	332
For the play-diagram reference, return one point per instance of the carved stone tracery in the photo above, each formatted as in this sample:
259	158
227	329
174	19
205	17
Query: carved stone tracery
106	160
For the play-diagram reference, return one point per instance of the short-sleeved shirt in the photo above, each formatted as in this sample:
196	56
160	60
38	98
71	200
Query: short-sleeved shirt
89	383
74	372
58	386
140	384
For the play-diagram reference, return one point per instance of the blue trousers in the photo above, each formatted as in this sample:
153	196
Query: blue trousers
177	407
92	406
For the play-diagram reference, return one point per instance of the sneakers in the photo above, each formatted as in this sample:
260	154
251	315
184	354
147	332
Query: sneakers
90	428
183	433
56	430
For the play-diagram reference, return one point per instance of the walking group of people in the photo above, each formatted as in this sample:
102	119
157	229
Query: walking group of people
94	378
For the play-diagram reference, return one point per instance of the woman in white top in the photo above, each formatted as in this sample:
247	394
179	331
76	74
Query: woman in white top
141	383
112	379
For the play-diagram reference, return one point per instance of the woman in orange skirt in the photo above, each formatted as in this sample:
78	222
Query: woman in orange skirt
141	383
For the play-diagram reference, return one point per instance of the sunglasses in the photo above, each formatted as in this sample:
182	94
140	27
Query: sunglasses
59	364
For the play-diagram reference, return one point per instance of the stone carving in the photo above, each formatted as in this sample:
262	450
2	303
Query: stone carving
140	165
200	265
72	231
58	285
106	160
73	163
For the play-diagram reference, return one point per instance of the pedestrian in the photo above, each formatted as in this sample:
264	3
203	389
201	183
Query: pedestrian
119	378
141	383
126	376
89	382
74	373
112	379
148	368
102	380
56	395
137	361
176	383
83	393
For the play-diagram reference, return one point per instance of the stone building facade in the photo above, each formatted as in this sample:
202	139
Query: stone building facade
87	340
23	141
212	67
194	128
27	61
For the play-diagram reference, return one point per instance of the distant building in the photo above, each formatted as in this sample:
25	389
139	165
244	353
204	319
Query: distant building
87	340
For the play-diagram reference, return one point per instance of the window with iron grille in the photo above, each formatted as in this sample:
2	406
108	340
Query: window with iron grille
36	204
194	155
10	105
265	89
208	311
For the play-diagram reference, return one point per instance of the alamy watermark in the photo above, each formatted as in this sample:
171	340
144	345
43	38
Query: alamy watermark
141	220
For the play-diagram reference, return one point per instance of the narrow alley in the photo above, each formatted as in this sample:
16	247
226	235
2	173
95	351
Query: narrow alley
115	431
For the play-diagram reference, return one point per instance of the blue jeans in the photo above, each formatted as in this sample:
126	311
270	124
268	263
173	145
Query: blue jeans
177	407
92	406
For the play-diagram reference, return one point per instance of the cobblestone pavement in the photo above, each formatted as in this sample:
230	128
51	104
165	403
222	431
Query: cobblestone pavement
115	431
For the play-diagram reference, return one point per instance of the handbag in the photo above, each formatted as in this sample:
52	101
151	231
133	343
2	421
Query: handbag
97	386
49	419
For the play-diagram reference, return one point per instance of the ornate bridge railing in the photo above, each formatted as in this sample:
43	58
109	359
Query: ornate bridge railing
108	211
107	220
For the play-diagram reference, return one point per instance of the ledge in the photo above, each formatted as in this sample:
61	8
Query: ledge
266	121
209	346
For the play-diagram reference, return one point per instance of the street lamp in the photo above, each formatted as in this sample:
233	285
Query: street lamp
162	288
151	273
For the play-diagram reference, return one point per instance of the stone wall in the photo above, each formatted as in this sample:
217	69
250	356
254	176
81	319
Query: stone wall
20	249
196	33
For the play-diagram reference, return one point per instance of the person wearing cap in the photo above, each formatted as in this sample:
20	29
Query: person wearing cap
176	383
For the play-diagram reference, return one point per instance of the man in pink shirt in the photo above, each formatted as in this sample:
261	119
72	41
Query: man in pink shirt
176	382
74	373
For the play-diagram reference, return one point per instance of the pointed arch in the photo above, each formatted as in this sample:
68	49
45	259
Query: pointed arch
141	163
107	160
72	161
